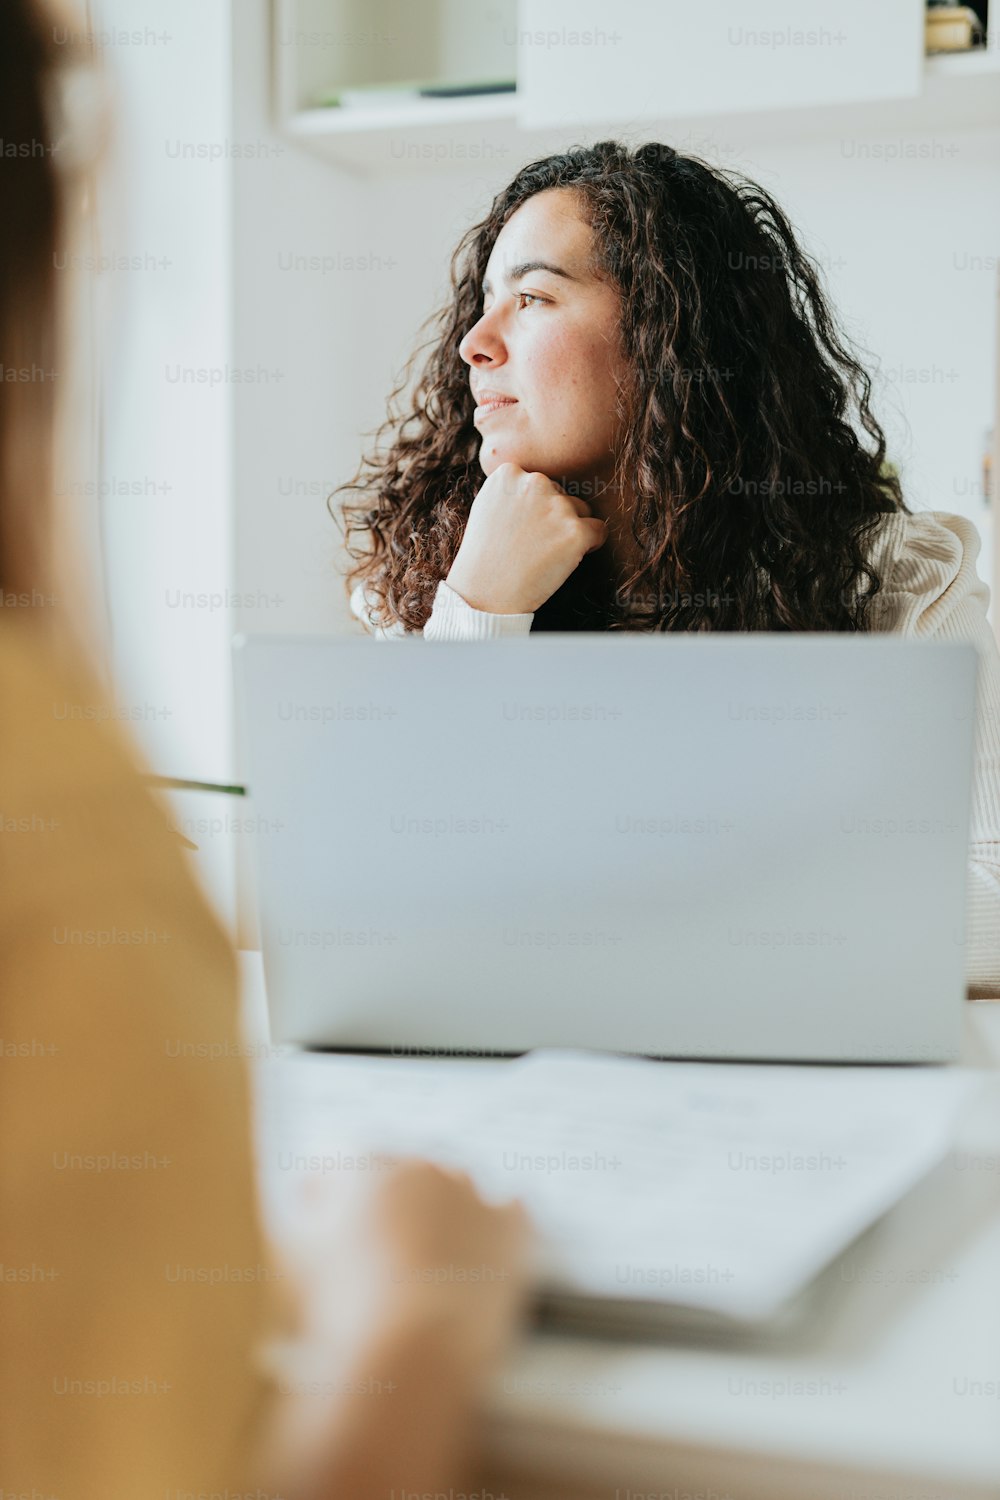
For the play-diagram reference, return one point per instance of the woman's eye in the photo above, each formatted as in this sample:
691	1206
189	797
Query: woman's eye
519	297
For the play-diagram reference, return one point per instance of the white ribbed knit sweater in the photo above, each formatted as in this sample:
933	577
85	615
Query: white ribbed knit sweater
930	590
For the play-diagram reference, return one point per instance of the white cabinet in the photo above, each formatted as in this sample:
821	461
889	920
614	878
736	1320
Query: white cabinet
765	70
634	60
324	46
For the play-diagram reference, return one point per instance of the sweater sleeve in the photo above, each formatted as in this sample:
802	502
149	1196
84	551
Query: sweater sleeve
451	619
934	592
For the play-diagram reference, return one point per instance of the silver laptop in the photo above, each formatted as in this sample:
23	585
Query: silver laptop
719	846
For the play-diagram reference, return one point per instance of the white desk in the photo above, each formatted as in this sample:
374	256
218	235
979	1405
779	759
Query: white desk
892	1393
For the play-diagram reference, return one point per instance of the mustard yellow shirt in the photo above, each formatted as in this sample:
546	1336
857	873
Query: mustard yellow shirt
133	1277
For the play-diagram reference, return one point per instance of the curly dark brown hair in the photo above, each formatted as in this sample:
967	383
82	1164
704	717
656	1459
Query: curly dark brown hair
744	417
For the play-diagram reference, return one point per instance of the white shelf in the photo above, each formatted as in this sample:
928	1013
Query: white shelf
409	113
964	64
961	91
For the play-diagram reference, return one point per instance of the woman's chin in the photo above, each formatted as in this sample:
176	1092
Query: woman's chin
492	455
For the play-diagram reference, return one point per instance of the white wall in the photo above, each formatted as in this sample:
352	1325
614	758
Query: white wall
164	205
294	436
167	441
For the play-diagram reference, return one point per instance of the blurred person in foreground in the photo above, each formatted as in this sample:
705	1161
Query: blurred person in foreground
128	1366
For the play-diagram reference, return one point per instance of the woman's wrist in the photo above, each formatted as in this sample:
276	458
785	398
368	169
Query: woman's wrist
482	600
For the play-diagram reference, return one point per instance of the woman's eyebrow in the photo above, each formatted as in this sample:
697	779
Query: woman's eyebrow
516	272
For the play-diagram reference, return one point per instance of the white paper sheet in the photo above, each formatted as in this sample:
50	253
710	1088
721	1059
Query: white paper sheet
710	1186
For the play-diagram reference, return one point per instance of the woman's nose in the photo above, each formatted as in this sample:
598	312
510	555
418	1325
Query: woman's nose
482	342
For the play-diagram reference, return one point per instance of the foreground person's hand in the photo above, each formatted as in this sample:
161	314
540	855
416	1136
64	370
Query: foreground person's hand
434	1279
454	1264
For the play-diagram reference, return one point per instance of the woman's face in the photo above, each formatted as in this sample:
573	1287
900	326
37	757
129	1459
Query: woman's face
548	339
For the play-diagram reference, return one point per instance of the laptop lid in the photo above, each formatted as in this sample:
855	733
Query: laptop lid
716	846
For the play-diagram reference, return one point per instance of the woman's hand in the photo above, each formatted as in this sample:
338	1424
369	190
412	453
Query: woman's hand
456	1267
437	1279
523	539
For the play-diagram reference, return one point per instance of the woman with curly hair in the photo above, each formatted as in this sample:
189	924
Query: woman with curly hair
640	359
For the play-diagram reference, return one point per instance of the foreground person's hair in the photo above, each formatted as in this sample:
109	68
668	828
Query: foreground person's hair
32	231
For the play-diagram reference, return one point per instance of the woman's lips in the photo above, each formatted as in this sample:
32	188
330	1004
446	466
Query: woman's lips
491	405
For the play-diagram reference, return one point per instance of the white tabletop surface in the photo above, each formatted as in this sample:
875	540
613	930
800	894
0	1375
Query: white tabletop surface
891	1390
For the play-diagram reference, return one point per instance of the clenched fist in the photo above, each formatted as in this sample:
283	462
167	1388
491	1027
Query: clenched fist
524	537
